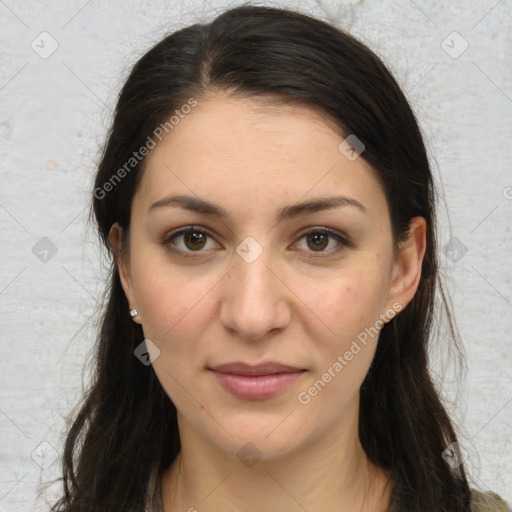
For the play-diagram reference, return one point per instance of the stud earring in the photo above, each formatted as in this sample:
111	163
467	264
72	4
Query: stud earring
134	312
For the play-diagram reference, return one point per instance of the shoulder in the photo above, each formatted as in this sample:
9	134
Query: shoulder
488	502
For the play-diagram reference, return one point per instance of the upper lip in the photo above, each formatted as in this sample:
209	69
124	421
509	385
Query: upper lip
269	368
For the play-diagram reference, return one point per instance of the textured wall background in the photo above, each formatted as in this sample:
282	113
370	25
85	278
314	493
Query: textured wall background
453	60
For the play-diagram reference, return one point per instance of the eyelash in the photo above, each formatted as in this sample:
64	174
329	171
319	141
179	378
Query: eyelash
343	241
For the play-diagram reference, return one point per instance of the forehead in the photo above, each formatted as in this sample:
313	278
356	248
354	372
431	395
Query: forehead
241	151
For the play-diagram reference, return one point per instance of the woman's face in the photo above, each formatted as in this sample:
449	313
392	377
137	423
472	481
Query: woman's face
261	282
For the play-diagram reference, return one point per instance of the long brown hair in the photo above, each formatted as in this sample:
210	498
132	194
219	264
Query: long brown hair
126	425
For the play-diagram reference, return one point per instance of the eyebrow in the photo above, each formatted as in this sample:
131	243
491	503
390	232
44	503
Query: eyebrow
286	213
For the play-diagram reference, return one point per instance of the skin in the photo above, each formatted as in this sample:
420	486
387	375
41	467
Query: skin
292	304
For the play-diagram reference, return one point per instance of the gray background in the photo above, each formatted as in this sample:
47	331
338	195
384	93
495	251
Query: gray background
54	113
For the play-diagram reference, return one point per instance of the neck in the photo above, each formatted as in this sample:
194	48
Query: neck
333	473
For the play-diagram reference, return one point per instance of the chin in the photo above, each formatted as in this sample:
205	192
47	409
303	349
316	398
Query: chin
255	440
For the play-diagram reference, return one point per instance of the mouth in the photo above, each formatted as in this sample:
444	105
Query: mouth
256	382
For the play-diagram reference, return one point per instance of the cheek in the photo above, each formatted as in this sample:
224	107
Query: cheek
347	304
175	314
170	302
348	308
171	309
346	338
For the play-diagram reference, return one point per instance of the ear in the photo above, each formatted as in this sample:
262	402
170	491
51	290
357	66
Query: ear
407	266
122	264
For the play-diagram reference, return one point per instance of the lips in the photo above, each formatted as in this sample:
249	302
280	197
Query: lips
270	368
256	382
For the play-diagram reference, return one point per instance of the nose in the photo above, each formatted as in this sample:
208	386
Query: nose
255	300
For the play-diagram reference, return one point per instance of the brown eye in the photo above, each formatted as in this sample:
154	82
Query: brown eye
194	240
317	241
187	240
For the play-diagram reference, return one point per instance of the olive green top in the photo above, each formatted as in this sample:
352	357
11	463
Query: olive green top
488	502
481	501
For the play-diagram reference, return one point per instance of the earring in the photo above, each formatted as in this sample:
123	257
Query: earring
134	312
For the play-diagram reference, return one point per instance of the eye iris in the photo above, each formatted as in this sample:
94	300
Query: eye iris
318	237
194	237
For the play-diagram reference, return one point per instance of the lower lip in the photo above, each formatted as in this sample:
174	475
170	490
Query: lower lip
256	387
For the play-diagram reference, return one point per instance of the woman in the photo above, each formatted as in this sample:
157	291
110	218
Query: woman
267	199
